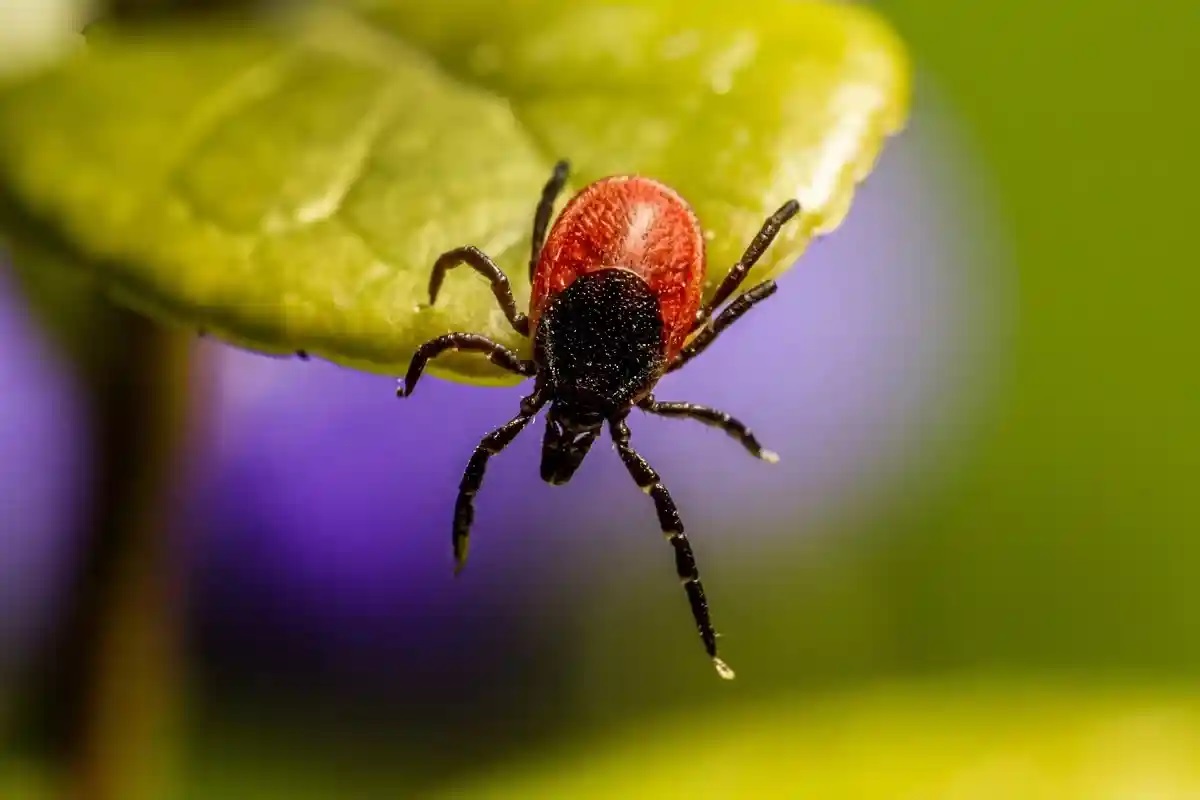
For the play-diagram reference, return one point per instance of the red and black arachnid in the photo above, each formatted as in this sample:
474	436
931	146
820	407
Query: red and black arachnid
615	306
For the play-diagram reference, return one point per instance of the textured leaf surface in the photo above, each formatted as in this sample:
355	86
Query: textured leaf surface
287	185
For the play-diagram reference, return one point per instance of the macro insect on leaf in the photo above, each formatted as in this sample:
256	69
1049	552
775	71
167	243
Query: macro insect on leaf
616	304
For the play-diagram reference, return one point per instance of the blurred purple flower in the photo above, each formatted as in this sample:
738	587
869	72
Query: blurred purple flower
323	515
43	449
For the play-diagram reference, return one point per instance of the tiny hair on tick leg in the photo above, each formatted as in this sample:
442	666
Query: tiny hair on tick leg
615	304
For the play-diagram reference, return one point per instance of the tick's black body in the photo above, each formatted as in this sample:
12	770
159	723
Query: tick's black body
599	346
598	351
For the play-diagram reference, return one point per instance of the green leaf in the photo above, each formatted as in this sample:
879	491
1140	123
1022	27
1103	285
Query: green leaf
287	185
989	742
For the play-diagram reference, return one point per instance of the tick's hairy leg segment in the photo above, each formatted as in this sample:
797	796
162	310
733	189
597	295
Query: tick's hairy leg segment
711	328
713	418
497	353
493	443
483	264
758	245
545	207
668	518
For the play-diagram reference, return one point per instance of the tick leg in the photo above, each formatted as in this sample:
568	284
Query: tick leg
668	518
758	246
497	353
541	220
713	418
493	443
729	315
483	264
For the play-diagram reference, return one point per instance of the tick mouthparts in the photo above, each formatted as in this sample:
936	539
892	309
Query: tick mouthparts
723	669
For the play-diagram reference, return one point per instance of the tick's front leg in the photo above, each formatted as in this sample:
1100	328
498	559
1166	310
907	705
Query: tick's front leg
472	479
715	419
482	263
497	353
672	527
711	328
758	245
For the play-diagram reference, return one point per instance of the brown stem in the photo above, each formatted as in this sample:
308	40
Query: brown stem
108	702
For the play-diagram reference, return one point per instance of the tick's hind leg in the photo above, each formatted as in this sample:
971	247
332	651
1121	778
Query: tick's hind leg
545	207
729	315
668	518
497	353
758	245
482	263
493	443
713	418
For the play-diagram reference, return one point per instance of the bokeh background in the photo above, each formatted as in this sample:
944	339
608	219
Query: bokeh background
981	547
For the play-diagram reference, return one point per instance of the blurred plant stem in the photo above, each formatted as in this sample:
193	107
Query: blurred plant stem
105	701
108	704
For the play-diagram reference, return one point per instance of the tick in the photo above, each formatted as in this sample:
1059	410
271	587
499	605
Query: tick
615	305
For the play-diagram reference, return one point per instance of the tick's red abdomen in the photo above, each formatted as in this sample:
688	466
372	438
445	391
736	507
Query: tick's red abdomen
633	223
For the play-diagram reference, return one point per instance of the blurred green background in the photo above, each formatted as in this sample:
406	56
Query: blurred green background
1014	615
1070	540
